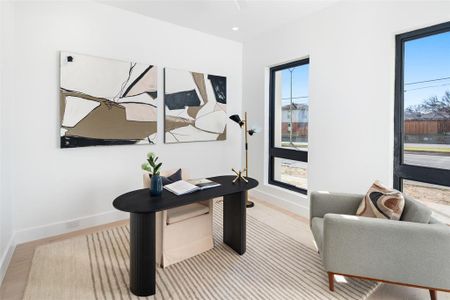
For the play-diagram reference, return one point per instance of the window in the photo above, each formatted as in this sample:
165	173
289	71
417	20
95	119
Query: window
288	134
422	117
437	197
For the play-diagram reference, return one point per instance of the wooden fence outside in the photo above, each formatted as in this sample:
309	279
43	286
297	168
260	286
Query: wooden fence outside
298	129
412	127
420	127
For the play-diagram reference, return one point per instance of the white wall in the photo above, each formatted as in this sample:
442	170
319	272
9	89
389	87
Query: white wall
6	48
351	48
6	221
52	185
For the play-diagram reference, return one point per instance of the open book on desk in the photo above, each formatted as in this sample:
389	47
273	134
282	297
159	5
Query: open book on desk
182	187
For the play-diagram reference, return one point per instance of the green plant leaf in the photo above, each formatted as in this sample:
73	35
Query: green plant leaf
146	167
151	165
157	167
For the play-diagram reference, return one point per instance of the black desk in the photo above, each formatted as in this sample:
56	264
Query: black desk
142	208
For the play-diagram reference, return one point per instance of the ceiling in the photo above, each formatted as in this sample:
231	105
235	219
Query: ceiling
253	17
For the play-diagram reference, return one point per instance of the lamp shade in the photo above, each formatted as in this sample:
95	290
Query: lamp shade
237	119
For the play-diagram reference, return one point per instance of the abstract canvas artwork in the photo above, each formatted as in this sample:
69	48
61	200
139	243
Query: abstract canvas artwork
195	106
106	102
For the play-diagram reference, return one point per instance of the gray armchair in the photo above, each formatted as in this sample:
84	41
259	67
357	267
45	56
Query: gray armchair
414	251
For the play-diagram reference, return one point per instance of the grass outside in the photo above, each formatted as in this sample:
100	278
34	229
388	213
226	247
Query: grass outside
294	175
294	145
427	192
427	149
435	197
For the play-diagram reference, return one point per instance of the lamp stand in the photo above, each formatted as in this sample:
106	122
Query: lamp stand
239	174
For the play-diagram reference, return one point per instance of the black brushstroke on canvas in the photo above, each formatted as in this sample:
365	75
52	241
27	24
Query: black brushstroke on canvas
75	141
136	102
219	84
153	94
180	100
124	84
136	81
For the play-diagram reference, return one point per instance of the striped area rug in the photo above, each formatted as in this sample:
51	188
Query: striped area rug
275	266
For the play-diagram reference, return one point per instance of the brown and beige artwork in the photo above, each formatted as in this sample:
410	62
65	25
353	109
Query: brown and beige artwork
195	106
106	102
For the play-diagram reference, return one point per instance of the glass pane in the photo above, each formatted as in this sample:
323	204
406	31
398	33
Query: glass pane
427	102
291	108
291	172
436	197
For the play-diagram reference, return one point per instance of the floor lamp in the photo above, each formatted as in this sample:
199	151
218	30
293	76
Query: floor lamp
240	173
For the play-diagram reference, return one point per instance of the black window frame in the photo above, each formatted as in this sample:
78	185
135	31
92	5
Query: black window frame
403	171
275	152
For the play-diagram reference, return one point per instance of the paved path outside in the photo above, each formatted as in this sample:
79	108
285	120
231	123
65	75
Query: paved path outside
428	160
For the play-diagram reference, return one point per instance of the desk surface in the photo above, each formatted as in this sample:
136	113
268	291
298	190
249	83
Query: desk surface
140	201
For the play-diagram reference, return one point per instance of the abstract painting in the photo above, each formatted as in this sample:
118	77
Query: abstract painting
106	102
195	106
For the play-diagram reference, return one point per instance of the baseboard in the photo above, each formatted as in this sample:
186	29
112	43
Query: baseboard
283	203
48	230
6	258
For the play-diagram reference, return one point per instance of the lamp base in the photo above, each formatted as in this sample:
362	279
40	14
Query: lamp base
239	175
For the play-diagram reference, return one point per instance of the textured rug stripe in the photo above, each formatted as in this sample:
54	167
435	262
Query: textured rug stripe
275	266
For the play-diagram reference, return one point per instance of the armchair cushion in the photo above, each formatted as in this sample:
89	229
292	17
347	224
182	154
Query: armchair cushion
415	211
181	213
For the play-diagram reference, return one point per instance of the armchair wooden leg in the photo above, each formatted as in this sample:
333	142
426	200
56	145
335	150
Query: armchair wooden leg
433	294
331	281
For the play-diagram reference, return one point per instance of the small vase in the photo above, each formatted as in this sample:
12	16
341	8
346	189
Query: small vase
156	186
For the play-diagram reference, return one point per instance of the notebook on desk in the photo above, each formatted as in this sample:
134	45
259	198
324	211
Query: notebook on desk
182	187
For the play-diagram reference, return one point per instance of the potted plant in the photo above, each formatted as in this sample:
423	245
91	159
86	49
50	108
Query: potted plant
153	168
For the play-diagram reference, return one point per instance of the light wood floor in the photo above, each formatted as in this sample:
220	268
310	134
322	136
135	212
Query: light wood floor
13	286
295	226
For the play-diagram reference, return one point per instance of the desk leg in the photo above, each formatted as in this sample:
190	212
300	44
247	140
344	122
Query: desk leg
234	221
142	254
